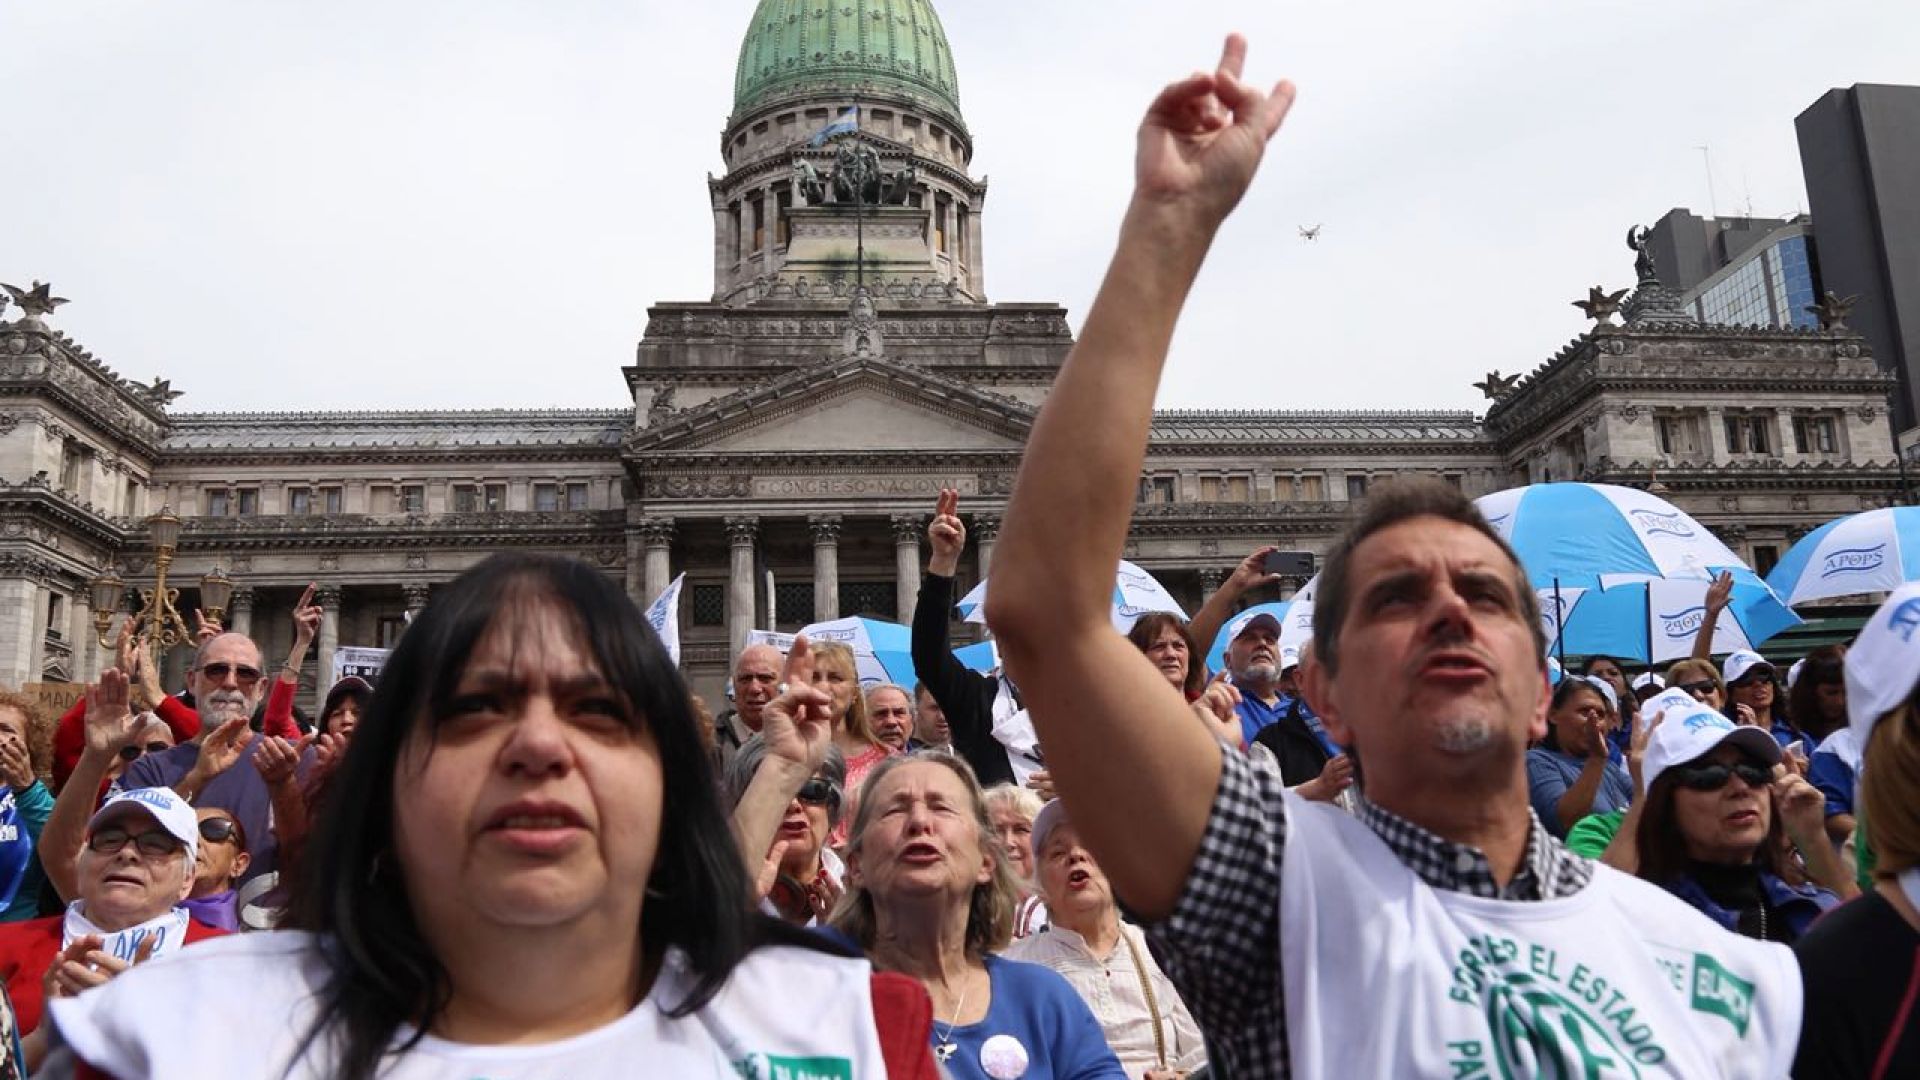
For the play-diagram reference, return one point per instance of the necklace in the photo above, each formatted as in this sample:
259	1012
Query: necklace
944	1048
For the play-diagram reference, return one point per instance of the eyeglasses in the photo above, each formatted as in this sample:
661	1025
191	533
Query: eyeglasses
1713	776
132	751
218	672
818	792
219	830
1701	688
154	843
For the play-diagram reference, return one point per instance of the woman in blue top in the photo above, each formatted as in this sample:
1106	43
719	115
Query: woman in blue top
931	896
1572	773
24	806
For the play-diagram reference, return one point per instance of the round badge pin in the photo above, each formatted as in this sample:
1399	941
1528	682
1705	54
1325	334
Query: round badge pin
1004	1058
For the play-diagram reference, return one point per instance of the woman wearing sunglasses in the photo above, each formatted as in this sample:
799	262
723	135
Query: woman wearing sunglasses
784	840
1716	806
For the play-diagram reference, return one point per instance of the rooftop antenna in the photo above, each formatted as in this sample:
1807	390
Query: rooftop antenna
1713	201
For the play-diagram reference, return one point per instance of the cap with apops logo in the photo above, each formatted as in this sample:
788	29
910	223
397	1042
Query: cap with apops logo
1689	730
1248	618
1648	678
1289	657
1884	662
1739	662
163	805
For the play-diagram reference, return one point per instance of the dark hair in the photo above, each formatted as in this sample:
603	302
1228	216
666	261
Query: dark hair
1562	694
381	971
1663	851
1389	504
352	688
1824	666
1147	630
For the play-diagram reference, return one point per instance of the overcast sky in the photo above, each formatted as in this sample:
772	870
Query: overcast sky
470	203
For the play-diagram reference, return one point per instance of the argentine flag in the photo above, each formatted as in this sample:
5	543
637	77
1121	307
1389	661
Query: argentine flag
846	123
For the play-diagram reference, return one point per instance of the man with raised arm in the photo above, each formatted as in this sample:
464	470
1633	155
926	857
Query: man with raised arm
1437	931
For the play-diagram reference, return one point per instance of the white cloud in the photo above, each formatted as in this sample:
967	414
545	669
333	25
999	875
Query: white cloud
467	203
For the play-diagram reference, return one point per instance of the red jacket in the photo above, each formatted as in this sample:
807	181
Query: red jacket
28	948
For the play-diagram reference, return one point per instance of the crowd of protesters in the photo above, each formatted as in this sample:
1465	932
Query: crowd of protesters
1410	848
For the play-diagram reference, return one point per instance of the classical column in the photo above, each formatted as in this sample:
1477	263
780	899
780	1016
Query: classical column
328	597
240	611
986	533
1211	578
906	564
826	566
416	593
656	536
741	534
79	631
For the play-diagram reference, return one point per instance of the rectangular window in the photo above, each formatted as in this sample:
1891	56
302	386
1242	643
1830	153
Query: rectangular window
1313	489
871	599
466	499
329	500
299	501
1814	435
413	499
1283	489
387	630
784	198
380	499
1765	558
73	461
940	209
1237	489
132	496
1157	490
759	224
1678	436
249	501
1747	434
793	602
577	500
709	605
56	616
546	497
1454	480
1209	489
493	498
1356	488
218	503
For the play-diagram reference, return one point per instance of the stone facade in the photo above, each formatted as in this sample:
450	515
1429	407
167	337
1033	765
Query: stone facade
784	445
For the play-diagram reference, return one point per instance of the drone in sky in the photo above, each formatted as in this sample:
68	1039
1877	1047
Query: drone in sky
1309	232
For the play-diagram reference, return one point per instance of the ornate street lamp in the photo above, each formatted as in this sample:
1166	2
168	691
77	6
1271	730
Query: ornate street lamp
158	611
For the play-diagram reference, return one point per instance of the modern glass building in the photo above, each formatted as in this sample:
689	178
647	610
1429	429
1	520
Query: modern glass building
1770	284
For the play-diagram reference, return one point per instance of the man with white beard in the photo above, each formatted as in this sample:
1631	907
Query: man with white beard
227	683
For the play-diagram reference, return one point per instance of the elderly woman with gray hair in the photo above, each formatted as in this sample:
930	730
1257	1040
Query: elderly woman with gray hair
796	875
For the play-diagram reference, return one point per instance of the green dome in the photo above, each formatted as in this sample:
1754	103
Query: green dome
896	45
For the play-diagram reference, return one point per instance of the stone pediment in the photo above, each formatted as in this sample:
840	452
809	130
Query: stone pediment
855	404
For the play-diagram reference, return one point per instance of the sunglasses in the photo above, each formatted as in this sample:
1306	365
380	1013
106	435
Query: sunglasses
219	830
218	672
132	751
818	792
1701	688
1714	776
154	843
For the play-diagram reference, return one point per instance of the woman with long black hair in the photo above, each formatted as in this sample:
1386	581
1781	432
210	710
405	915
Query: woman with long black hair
524	870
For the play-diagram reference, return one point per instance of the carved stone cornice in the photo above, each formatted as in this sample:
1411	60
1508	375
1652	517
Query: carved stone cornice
339	532
60	512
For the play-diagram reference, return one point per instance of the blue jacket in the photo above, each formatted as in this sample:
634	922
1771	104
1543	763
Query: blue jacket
1800	905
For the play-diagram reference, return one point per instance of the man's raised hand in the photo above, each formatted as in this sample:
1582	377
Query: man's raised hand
946	534
1203	137
110	722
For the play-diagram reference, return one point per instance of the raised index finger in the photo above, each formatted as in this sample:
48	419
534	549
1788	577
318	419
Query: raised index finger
799	667
306	598
1233	55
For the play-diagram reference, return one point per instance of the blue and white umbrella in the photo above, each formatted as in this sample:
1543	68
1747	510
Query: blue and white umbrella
1655	619
1135	592
1573	533
882	651
1874	551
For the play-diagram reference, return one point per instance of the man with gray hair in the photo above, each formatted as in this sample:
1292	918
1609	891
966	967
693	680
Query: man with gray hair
755	681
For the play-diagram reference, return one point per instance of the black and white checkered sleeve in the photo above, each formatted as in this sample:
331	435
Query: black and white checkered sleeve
1221	944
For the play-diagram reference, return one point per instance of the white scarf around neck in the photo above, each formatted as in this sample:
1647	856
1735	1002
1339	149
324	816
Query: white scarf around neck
169	930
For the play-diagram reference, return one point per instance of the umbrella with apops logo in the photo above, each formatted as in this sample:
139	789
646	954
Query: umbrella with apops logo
882	651
1623	572
1874	551
1135	592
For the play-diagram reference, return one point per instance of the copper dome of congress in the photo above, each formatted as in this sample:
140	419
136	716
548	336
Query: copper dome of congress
796	47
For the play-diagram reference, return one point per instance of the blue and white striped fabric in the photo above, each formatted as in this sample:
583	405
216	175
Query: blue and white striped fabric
1574	533
1875	551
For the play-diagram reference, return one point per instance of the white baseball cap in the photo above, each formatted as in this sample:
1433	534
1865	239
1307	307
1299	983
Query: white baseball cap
1246	619
1689	729
1649	678
1605	688
1739	662
167	809
1884	662
1289	657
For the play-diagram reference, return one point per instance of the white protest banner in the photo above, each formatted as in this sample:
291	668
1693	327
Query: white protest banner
664	614
357	660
